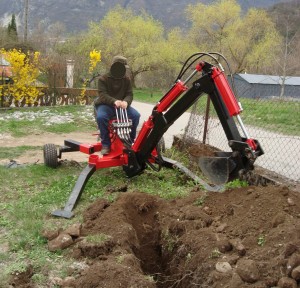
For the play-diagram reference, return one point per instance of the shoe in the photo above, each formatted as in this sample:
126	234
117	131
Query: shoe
105	150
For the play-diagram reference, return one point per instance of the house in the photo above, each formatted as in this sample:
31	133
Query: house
267	86
5	70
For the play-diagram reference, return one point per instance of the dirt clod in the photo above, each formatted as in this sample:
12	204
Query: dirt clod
296	273
22	279
286	282
62	241
247	270
74	230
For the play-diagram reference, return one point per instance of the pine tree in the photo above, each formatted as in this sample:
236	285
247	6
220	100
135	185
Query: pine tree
12	29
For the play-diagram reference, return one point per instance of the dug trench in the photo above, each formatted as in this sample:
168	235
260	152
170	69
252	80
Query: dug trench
133	245
243	237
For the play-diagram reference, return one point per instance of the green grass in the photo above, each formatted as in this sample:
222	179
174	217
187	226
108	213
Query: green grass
19	128
27	195
279	116
276	116
235	184
148	95
13	152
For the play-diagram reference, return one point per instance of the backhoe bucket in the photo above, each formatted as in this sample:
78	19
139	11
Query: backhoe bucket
216	169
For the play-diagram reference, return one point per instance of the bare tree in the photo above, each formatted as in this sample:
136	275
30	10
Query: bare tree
26	21
287	62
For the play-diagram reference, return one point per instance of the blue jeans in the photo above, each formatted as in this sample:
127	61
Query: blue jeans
106	113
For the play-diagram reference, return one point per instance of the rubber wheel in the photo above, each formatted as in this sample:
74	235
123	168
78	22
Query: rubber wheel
50	155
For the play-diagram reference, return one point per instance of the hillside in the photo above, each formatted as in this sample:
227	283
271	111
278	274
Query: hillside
76	14
286	17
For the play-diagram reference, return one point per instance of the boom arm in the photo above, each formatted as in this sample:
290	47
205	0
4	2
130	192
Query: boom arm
214	83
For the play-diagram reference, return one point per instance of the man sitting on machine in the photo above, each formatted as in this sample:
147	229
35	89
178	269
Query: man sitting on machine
115	91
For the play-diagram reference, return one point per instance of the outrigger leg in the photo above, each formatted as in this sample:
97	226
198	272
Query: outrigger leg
76	193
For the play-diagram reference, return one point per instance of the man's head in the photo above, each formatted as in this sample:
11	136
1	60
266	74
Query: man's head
118	67
120	59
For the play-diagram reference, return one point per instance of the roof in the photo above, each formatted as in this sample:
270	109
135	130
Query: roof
269	79
5	68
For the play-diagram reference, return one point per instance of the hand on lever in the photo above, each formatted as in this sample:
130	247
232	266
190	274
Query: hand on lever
118	103
124	105
121	104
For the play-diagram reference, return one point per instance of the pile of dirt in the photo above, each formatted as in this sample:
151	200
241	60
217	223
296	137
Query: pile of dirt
246	237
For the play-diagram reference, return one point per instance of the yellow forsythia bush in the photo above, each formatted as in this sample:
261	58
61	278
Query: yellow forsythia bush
95	57
25	72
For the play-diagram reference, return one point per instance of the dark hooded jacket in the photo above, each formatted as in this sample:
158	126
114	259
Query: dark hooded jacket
111	89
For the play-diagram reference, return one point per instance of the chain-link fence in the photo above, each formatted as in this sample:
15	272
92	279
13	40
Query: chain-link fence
274	121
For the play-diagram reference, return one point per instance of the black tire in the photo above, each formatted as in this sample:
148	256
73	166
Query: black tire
50	155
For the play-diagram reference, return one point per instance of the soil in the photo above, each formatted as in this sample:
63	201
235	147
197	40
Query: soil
243	237
36	156
246	237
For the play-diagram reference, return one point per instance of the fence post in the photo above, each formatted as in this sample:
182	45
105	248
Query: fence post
2	90
206	119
